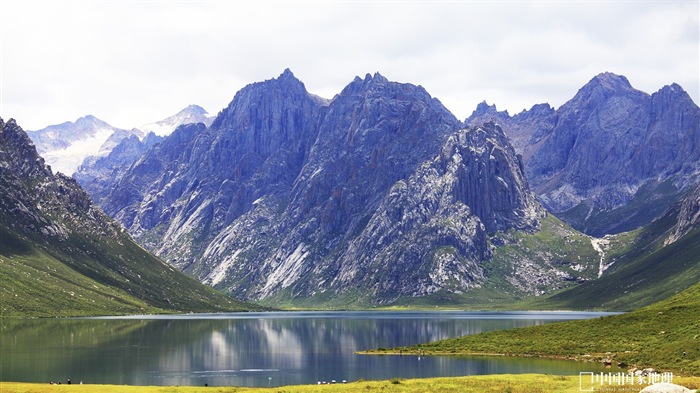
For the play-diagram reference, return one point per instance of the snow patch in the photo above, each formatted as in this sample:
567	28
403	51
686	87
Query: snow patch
69	159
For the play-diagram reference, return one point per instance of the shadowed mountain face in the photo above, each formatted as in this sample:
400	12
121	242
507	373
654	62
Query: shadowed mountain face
612	158
376	194
61	255
98	173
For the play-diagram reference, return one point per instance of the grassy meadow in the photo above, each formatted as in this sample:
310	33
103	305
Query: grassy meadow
524	383
664	335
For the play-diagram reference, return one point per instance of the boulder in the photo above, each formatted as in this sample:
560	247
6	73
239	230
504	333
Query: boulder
666	387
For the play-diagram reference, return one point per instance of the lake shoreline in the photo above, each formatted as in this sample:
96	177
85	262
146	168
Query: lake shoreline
596	358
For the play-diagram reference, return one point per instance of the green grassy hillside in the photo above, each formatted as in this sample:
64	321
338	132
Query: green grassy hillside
644	271
89	276
62	256
664	335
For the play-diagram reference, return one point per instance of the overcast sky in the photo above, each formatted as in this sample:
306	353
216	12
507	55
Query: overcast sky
135	62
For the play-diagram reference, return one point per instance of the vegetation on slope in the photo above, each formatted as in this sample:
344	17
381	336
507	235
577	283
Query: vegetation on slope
640	270
62	256
664	335
526	273
643	271
85	276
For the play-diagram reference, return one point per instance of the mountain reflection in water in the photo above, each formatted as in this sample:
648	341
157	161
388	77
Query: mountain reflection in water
250	348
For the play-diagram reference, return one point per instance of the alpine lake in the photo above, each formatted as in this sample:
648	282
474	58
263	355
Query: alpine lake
260	349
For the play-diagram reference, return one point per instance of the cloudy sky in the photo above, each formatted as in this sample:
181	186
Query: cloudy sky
135	62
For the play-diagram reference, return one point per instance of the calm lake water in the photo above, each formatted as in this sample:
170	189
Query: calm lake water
258	349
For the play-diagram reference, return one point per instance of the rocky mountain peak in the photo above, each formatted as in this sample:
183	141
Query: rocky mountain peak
192	110
189	115
604	86
53	205
491	179
537	110
431	227
287	74
18	153
672	93
373	84
88	119
609	81
287	77
606	146
377	78
484	109
65	146
284	87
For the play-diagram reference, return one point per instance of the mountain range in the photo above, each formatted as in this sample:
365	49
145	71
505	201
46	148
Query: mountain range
612	158
381	196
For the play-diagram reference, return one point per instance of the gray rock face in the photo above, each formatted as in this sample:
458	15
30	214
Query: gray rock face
199	180
609	146
375	194
431	229
688	216
97	174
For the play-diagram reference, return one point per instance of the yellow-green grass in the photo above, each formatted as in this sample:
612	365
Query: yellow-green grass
664	335
514	383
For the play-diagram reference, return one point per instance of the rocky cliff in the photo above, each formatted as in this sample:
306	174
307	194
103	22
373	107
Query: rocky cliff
688	216
199	180
431	231
612	158
97	174
375	195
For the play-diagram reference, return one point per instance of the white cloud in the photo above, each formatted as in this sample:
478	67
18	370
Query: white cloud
135	62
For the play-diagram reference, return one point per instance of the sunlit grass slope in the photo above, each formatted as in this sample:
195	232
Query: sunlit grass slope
640	279
521	383
94	276
664	335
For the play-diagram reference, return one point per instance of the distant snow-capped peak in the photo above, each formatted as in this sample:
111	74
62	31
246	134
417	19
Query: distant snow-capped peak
189	115
64	146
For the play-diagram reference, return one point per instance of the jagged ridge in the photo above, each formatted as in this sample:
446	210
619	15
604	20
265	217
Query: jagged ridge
289	196
612	158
